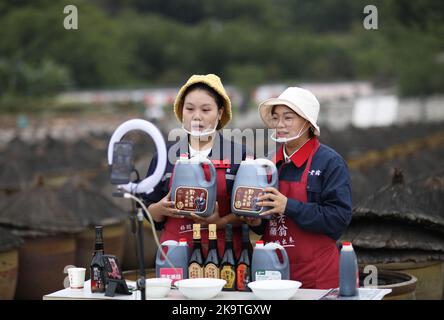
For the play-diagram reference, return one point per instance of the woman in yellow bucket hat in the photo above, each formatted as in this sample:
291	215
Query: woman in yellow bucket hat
203	107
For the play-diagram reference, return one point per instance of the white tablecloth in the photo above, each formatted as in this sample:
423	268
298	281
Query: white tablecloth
85	294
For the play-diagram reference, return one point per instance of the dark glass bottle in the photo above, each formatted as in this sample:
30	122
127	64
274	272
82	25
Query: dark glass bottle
97	265
211	269
228	263
196	263
243	268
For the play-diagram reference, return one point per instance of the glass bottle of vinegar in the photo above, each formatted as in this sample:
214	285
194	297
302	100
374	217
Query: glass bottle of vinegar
196	263
211	269
97	266
228	263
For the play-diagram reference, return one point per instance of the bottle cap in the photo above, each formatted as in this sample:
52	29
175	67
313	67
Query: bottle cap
259	243
347	246
196	231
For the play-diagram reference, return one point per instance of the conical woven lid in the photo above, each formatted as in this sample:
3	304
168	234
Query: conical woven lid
385	234
14	174
40	208
89	204
404	202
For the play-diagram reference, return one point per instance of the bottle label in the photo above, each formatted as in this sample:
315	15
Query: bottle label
227	273
195	270
268	275
171	273
242	277
191	199
97	280
211	271
245	199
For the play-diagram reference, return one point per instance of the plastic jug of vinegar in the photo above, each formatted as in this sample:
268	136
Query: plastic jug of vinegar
191	191
269	262
178	254
250	182
348	271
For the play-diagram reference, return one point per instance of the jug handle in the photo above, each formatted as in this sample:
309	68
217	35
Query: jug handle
159	255
201	160
212	173
284	254
165	244
273	245
276	246
169	243
272	166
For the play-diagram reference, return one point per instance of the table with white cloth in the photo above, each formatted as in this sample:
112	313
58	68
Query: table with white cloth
301	294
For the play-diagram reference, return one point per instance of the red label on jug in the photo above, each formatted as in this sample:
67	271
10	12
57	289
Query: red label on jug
171	273
191	199
245	199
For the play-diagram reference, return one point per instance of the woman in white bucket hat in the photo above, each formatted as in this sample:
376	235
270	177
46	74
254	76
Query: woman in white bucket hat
302	105
313	206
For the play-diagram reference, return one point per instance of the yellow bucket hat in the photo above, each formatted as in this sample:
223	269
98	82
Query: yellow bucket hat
213	82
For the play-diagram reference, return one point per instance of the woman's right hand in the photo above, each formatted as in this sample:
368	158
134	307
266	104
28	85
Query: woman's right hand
164	208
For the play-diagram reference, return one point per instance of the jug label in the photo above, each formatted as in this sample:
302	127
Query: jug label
191	199
171	273
268	275
212	271
245	199
195	270
227	273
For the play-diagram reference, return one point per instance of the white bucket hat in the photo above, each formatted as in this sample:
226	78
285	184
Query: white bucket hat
301	101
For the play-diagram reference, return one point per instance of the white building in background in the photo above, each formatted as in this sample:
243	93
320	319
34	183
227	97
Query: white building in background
359	104
153	99
375	111
265	92
328	92
325	92
385	110
342	104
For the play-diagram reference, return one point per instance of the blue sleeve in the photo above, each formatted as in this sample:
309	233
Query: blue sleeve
158	192
332	214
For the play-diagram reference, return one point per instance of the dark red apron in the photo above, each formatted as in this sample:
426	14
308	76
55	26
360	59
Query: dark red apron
314	257
176	228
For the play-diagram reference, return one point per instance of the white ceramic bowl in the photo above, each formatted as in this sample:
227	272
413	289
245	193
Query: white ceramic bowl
201	288
157	287
274	289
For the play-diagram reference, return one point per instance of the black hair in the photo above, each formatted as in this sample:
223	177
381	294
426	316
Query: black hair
311	132
213	93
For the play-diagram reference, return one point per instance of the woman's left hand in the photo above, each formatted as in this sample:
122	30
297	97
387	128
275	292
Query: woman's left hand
274	199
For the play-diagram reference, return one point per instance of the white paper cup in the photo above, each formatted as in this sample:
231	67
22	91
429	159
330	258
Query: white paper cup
76	278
